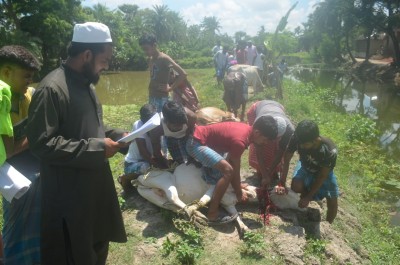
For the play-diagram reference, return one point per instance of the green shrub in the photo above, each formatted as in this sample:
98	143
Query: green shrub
196	63
362	129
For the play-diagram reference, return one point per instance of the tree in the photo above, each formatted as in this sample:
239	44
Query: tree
50	21
211	24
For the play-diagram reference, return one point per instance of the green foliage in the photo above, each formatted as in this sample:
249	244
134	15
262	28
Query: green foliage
188	247
253	245
362	129
364	172
327	49
315	247
196	63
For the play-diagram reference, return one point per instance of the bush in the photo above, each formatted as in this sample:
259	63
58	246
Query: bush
362	129
196	63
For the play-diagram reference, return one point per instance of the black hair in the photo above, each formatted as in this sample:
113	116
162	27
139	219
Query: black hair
174	112
147	39
306	131
146	112
76	48
18	55
267	126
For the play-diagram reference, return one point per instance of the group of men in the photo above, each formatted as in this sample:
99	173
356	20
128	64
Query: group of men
244	53
71	211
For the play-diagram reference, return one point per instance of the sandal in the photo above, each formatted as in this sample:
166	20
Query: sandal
222	220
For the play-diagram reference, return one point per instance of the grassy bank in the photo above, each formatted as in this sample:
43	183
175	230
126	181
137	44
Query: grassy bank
362	168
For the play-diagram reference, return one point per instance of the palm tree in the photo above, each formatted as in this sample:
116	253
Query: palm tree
211	25
161	23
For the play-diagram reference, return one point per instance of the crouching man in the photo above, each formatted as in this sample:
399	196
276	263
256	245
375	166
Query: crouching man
208	144
314	178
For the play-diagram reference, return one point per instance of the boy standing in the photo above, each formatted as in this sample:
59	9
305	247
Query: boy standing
208	145
314	177
160	65
21	230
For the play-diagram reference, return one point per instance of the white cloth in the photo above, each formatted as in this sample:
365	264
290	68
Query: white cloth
221	59
216	49
12	183
133	155
91	32
251	53
259	62
176	135
281	123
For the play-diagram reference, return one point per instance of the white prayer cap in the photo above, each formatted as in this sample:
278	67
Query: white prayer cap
91	32
281	123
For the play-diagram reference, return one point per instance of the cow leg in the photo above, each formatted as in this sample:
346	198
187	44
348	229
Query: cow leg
201	203
241	226
172	195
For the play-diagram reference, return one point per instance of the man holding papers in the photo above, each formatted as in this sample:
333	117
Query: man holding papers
19	181
80	209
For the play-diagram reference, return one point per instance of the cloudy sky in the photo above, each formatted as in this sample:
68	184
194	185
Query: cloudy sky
234	15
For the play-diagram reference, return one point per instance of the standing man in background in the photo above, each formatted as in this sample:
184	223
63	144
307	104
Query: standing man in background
80	209
216	48
160	66
251	53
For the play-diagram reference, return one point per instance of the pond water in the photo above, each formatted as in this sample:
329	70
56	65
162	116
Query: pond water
123	88
378	101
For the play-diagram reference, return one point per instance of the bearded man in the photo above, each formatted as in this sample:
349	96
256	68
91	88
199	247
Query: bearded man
80	210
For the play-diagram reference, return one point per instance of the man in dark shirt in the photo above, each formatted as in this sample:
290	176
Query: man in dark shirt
314	177
80	209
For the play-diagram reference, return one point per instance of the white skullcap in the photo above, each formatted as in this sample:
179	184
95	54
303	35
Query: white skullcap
281	123
91	32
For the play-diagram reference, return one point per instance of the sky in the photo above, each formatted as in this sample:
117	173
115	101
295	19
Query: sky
234	15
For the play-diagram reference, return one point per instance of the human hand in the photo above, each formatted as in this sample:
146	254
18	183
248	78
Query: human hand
280	190
304	202
241	196
111	147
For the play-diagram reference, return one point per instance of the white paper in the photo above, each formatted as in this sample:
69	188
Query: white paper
145	128
12	183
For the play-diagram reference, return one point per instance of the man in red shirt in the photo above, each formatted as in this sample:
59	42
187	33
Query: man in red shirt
208	145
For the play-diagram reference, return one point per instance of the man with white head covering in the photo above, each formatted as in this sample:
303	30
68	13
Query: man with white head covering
267	159
80	210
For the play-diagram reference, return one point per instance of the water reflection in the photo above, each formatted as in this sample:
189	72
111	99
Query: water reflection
379	101
123	88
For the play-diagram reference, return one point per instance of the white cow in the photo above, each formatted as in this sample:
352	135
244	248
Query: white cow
179	191
251	73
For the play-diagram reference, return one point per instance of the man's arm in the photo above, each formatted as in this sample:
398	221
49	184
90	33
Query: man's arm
287	157
19	146
181	77
321	177
192	119
45	115
144	152
235	163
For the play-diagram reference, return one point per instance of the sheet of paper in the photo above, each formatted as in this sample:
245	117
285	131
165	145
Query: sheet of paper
12	183
148	126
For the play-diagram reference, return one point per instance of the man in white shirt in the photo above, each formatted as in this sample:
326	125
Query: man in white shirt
216	48
259	62
251	53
